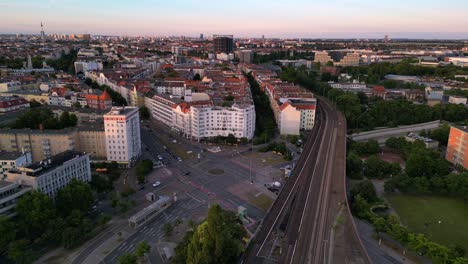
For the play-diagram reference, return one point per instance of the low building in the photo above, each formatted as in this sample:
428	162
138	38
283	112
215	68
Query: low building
429	143
10	193
51	175
457	99
12	103
12	159
457	147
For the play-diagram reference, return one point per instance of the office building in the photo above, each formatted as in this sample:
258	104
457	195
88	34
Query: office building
11	159
457	147
223	44
122	130
10	193
51	175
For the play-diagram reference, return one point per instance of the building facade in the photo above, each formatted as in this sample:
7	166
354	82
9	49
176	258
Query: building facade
223	44
122	133
457	147
51	175
10	193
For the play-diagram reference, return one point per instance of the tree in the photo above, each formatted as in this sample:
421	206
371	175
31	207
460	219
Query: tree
142	169
77	195
8	231
218	239
142	248
34	210
144	112
20	252
167	229
366	190
197	77
354	166
128	258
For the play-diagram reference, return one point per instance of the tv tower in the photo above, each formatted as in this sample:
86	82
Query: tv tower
42	31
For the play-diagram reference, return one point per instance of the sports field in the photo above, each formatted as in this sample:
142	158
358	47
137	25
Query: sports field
421	214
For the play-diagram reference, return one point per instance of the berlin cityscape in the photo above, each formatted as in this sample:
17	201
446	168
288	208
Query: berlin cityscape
246	132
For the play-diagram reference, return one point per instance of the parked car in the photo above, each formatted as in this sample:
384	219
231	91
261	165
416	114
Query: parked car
156	184
160	157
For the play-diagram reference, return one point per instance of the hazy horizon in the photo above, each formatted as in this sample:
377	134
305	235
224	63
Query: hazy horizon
350	19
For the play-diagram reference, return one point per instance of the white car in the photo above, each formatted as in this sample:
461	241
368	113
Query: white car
156	184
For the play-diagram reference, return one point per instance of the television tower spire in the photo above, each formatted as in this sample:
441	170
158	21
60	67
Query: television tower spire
42	31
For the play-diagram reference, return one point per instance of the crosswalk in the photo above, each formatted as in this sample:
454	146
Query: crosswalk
153	231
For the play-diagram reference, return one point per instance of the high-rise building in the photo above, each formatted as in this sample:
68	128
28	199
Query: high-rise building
223	43
386	38
201	36
122	130
457	147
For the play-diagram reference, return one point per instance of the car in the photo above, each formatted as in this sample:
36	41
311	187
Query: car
187	173
160	157
179	158
141	187
156	184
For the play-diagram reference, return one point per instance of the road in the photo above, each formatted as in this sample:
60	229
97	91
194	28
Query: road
310	221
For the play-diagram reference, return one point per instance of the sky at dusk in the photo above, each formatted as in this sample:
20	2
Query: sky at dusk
243	18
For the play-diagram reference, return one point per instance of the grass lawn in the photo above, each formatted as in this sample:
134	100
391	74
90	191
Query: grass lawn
261	201
416	211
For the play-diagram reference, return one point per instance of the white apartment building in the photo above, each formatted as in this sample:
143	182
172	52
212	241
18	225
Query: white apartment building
51	175
12	159
162	108
213	121
296	116
84	66
122	132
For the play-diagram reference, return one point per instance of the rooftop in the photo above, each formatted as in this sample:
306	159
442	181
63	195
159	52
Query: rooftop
463	128
39	168
121	110
10	155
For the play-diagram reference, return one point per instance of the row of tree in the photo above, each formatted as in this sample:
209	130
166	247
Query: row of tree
33	118
265	125
375	72
42	222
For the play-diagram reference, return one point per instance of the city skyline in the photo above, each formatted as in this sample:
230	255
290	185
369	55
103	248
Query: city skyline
321	19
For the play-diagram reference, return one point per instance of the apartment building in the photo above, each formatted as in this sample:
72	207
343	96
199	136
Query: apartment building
338	57
122	135
296	116
457	147
12	103
42	144
12	159
51	175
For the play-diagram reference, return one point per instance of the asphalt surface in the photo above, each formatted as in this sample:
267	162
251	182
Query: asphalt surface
299	228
